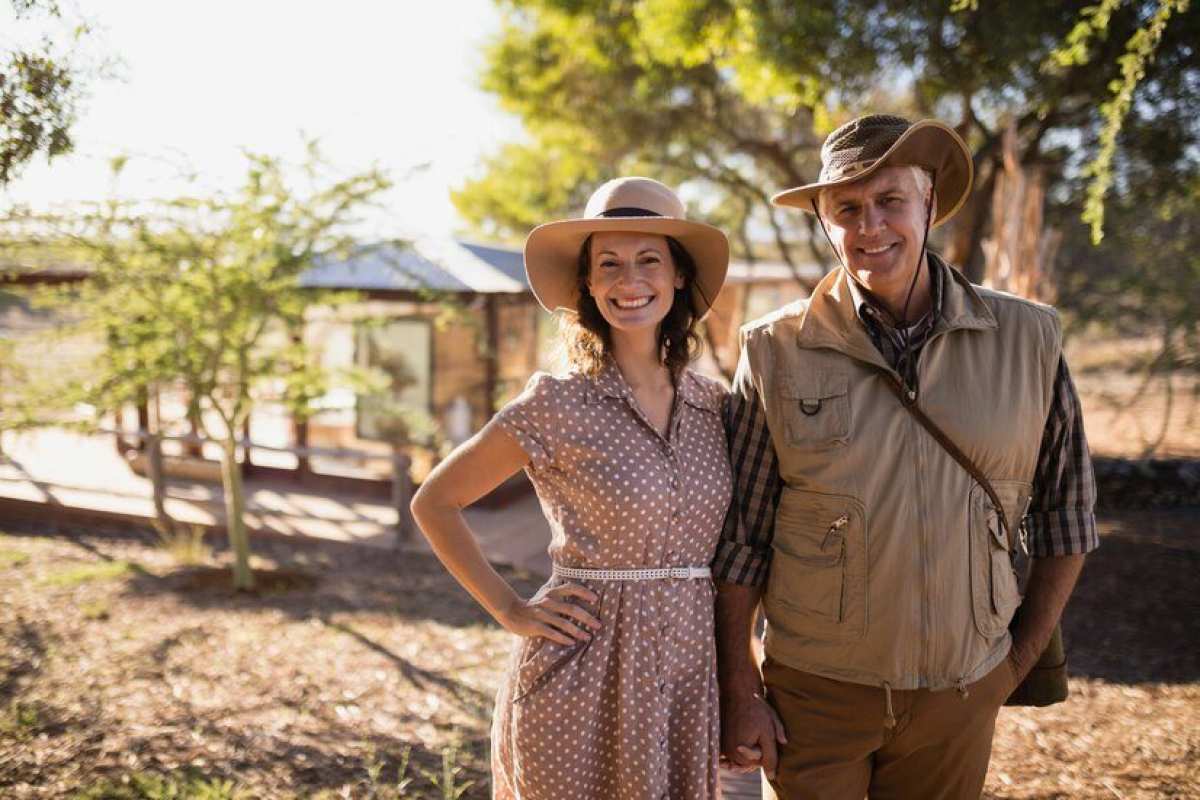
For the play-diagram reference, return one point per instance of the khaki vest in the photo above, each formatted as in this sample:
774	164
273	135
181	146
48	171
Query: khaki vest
889	565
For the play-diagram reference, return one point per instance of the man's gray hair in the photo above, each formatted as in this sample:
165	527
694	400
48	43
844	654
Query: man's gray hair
922	177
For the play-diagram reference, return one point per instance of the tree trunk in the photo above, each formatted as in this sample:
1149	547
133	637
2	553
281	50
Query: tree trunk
194	449
1020	251
143	414
300	437
247	461
235	523
402	492
154	468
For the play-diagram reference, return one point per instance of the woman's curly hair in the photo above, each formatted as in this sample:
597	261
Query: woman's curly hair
587	337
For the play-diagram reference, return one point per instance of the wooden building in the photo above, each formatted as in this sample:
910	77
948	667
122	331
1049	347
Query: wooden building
456	326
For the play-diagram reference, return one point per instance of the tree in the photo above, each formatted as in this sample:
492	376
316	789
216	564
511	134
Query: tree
734	97
203	293
39	91
1144	277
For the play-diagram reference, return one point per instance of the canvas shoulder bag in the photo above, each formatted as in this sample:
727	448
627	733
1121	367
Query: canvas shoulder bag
1046	683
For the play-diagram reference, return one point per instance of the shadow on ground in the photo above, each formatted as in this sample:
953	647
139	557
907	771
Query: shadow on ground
307	578
1135	615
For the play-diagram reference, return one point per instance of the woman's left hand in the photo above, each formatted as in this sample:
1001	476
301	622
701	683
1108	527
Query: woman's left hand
552	615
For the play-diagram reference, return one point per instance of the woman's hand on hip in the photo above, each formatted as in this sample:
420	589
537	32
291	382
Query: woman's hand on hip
552	614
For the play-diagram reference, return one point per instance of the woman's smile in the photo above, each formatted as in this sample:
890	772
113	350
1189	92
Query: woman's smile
626	303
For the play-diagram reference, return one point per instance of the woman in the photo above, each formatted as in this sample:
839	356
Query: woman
612	691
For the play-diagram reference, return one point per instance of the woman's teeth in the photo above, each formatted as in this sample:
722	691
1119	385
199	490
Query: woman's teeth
874	251
635	303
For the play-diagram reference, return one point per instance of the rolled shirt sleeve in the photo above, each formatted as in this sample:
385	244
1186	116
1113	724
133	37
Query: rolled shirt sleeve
527	417
1061	519
744	550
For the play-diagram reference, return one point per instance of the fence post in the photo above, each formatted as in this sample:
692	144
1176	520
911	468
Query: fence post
402	492
154	466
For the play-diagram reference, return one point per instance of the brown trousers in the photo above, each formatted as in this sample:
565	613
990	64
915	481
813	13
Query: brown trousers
840	748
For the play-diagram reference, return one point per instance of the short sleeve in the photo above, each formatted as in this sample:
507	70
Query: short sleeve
527	419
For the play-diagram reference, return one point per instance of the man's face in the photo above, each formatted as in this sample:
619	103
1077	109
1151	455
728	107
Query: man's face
877	225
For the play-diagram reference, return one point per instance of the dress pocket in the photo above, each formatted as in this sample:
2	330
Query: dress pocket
994	592
540	659
815	405
818	579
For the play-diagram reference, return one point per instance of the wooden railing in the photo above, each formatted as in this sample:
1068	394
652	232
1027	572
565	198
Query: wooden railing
402	482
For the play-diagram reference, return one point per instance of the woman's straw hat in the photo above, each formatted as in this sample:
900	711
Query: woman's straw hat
639	205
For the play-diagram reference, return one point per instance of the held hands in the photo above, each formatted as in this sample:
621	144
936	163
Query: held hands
750	734
552	615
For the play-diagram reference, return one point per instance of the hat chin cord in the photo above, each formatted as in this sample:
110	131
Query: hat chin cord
902	325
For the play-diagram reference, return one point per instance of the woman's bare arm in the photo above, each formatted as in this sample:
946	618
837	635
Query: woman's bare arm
475	468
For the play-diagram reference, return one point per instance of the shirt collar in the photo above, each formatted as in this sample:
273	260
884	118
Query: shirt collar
610	383
870	312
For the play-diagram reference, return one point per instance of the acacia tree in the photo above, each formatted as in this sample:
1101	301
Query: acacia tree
735	96
39	87
203	293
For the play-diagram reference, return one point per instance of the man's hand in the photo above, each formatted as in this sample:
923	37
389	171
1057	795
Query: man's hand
750	734
750	728
1051	582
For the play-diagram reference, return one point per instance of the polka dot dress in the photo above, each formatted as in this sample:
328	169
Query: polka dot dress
631	713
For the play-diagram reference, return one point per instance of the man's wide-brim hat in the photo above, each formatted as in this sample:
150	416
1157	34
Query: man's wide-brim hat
865	145
636	205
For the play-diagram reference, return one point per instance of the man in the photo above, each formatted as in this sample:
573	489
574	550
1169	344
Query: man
882	566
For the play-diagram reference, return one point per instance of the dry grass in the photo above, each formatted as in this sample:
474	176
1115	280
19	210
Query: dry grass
155	681
148	672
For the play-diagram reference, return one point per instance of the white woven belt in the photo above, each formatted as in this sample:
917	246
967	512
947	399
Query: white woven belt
657	574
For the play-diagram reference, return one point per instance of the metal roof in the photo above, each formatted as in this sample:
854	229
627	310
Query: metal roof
454	265
439	265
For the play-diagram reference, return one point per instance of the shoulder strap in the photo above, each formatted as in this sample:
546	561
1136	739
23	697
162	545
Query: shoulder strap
908	399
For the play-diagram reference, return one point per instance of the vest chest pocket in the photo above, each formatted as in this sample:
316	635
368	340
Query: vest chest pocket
818	580
994	592
815	406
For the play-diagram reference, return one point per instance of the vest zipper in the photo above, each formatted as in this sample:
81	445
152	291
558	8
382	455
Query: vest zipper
837	525
926	622
835	529
925	657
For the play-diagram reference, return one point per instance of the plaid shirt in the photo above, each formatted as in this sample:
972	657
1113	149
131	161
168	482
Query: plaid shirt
1060	520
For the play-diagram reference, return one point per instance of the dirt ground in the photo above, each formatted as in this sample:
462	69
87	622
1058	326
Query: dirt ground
125	675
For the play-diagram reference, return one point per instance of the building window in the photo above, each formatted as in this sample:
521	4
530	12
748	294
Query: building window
402	349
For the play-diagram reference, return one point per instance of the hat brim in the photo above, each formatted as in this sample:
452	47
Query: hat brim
929	144
552	256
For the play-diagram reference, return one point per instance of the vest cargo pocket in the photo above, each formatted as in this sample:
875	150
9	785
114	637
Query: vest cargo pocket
994	592
818	583
815	407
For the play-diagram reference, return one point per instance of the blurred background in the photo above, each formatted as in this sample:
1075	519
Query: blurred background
260	270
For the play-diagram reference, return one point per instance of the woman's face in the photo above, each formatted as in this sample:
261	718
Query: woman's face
632	278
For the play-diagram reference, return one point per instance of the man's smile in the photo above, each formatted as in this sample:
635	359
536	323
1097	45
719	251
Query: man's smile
874	251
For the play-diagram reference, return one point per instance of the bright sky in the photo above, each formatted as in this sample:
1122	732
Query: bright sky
392	83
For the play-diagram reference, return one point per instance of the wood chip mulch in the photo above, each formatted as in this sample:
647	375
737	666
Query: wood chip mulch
116	664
